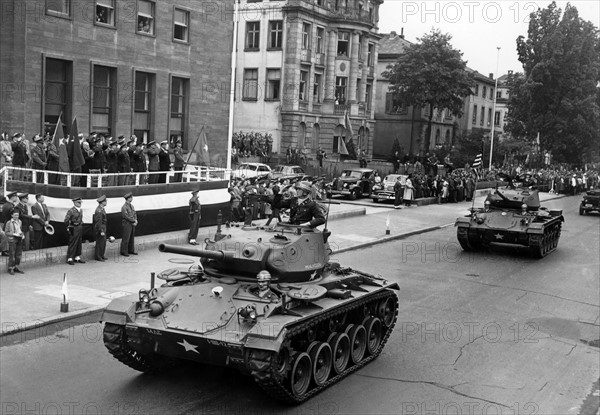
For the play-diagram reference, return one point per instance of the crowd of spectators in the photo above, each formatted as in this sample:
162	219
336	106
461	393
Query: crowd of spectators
251	145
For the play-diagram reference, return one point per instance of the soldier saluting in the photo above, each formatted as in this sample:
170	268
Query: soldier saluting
303	210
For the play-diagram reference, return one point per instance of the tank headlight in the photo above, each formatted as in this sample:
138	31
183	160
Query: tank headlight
144	296
248	312
480	218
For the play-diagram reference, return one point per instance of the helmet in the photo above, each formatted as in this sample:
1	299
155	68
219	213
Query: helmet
264	276
306	186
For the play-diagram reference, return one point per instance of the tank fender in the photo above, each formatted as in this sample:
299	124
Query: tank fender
260	342
120	310
463	222
536	228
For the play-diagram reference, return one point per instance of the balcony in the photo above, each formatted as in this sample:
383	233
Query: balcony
305	55
352	15
341	108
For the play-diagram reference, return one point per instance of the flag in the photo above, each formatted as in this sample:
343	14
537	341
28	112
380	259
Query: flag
64	290
348	124
477	164
342	146
58	132
74	148
201	148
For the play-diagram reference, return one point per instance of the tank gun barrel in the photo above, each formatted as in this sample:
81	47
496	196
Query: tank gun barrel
202	253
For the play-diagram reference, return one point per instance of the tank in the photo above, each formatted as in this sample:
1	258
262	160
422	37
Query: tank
512	216
265	301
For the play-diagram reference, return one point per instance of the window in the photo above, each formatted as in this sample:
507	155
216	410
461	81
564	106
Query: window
370	54
338	139
142	105
489	117
250	91
302	135
484	94
476	89
105	12
320	40
368	94
273	84
145	17
252	35
343	43
438	136
316	132
481	121
498	94
491	93
57	92
306	29
394	105
340	89
103	107
474	120
302	96
447	137
360	40
497	118
59	7
177	121
181	23
275	34
317	88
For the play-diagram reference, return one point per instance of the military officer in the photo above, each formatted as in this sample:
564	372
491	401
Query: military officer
74	223
303	210
129	222
195	216
99	222
38	157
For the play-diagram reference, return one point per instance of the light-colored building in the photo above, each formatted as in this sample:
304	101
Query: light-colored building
407	124
478	107
301	65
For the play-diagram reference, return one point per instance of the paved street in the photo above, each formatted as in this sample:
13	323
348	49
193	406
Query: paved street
477	333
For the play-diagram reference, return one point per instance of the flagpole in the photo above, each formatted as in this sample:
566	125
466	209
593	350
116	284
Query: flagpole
192	150
494	109
232	85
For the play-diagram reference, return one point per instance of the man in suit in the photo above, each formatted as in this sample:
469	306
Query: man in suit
41	210
129	222
74	223
100	229
195	216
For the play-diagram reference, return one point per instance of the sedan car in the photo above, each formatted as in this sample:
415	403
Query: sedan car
249	170
353	183
385	190
590	202
287	172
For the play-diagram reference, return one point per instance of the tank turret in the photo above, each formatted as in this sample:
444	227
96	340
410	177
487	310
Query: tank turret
514	199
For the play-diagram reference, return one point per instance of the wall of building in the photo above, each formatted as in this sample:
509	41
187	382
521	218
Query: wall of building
205	60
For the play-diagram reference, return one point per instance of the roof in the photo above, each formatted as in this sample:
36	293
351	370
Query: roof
392	44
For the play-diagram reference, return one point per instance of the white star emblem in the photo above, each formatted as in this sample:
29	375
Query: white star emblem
205	148
313	276
498	236
188	347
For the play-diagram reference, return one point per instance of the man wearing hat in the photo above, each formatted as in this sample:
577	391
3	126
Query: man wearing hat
179	162
40	210
164	161
138	161
100	229
153	161
26	219
303	210
15	236
74	222
195	216
38	157
20	157
53	161
129	222
112	162
123	164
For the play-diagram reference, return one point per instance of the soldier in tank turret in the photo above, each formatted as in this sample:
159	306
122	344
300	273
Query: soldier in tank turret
263	290
303	210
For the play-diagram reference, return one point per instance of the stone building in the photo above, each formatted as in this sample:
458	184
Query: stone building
478	107
157	69
301	66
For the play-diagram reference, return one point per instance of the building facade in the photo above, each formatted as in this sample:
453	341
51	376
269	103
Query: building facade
156	69
406	123
301	66
478	107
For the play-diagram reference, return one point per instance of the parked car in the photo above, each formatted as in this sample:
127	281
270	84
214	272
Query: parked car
249	170
385	190
287	172
352	183
590	202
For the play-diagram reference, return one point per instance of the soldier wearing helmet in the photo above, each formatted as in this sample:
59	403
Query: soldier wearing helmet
264	285
303	210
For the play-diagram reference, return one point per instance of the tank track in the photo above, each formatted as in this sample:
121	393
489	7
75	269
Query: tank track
275	385
542	245
469	240
115	340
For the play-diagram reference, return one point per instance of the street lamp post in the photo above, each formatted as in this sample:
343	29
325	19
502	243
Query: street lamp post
493	121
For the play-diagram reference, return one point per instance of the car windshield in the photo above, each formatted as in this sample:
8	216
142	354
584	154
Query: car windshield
351	174
391	178
278	169
247	167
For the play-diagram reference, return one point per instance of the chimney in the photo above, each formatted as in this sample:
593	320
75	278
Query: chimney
402	33
392	34
491	76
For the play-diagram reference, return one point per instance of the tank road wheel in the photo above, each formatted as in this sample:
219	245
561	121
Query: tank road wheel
115	341
282	363
374	334
301	374
320	354
386	311
340	348
336	322
358	341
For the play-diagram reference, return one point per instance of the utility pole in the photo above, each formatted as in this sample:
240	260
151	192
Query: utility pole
494	109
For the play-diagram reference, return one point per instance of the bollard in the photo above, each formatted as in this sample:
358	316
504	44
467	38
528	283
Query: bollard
64	306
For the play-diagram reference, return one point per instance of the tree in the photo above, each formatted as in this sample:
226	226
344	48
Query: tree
431	73
557	96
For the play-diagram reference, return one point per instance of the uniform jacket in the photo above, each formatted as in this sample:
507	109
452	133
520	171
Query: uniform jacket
139	160
124	164
111	161
179	161
164	160
24	216
73	217
128	213
38	157
153	158
20	157
42	212
52	157
305	211
100	219
194	205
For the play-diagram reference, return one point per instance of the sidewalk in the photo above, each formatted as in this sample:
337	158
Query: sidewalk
33	299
